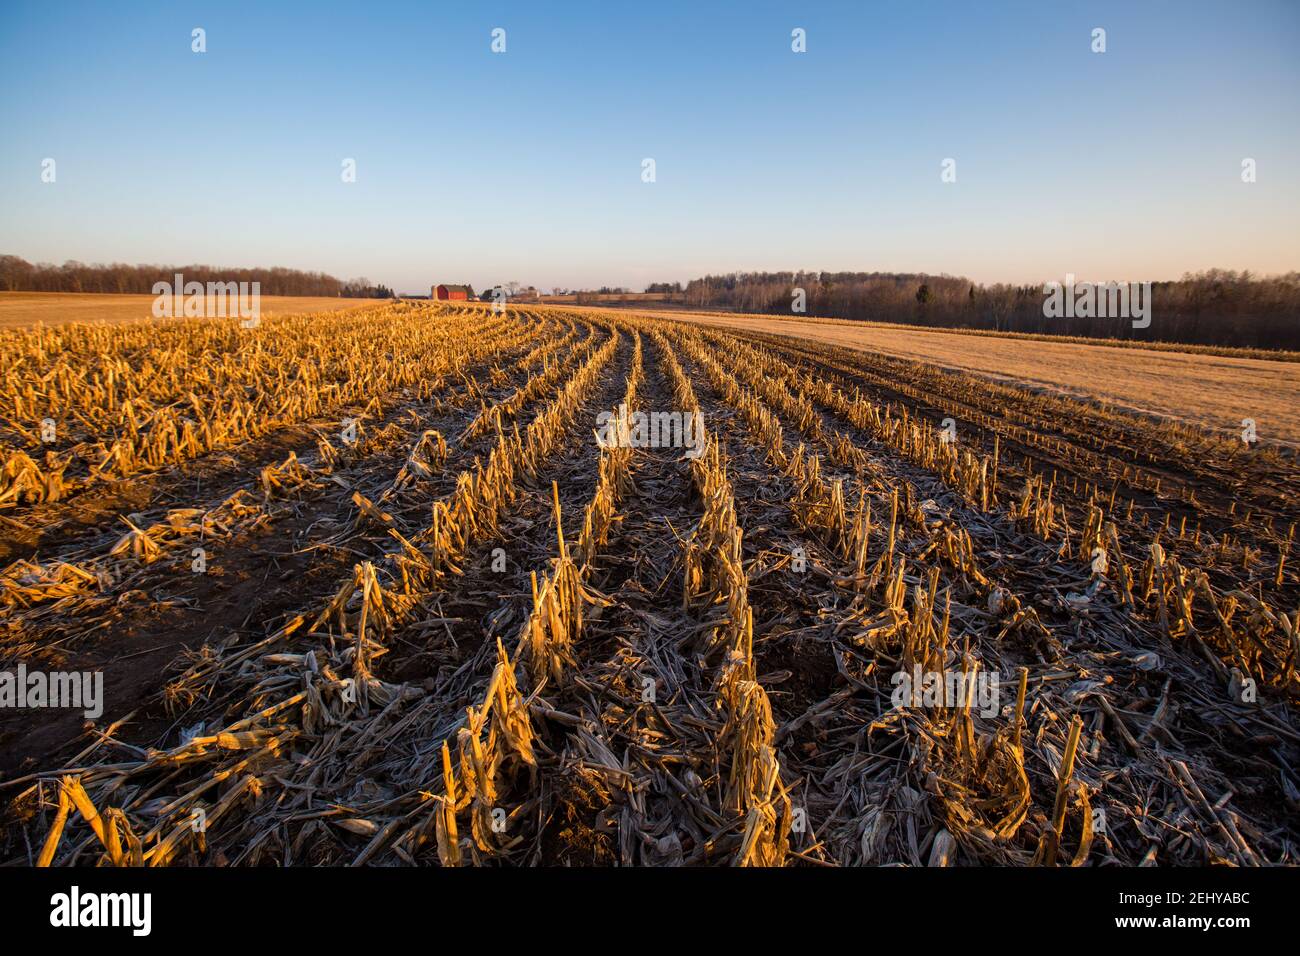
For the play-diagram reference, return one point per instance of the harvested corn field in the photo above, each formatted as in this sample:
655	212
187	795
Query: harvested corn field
28	309
441	585
1213	389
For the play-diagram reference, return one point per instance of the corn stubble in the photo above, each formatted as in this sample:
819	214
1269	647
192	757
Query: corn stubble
691	660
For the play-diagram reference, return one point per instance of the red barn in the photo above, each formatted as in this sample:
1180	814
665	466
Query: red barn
462	292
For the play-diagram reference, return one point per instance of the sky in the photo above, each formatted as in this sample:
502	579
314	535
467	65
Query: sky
527	165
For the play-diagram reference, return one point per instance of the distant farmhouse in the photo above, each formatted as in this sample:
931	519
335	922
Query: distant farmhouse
462	292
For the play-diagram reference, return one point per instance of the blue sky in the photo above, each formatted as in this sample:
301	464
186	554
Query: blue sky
482	167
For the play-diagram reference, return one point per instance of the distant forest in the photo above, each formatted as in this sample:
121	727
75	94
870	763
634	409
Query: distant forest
19	275
1217	307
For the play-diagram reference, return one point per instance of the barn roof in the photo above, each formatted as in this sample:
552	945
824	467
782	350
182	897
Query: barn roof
453	288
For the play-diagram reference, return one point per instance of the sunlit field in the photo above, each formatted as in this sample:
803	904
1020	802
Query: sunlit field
26	309
435	583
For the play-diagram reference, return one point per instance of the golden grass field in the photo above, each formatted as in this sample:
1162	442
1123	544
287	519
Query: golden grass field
20	310
1213	391
394	587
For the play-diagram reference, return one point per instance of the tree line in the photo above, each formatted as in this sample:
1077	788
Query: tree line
19	275
1215	307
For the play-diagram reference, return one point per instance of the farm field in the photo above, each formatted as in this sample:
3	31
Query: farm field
365	588
1213	391
21	310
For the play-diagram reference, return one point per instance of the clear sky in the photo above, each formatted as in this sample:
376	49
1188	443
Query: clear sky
474	166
